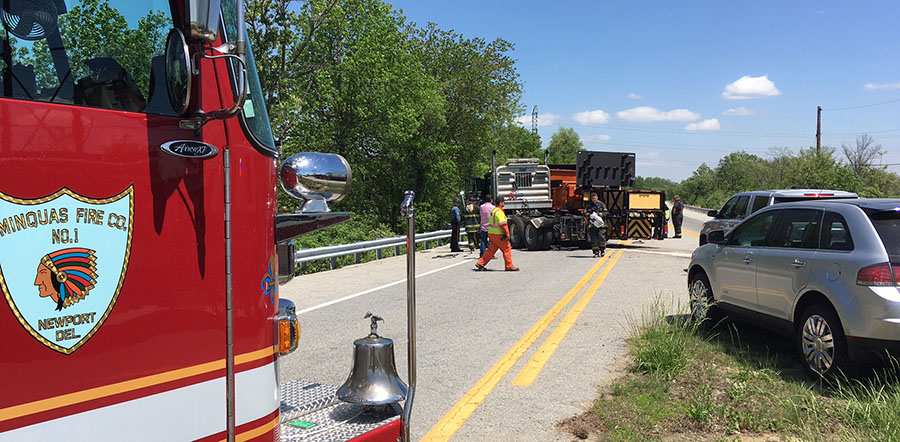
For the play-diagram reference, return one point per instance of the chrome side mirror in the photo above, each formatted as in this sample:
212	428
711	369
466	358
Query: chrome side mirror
316	178
178	71
204	22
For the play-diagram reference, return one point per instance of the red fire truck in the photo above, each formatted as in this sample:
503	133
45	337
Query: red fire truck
139	240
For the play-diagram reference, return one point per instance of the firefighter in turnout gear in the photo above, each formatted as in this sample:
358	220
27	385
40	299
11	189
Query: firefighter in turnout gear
677	215
498	235
472	221
595	215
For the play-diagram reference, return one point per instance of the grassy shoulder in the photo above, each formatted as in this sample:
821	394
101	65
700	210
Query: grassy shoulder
733	382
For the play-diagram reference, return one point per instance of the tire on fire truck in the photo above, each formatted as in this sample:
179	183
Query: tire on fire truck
534	238
516	231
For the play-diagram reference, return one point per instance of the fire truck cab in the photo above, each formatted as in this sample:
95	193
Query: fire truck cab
139	235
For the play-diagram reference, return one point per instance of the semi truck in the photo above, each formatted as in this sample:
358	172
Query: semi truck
141	251
545	202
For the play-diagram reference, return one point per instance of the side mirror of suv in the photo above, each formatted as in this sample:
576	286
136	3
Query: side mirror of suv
712	213
716	237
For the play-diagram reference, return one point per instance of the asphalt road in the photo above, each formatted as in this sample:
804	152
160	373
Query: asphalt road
502	356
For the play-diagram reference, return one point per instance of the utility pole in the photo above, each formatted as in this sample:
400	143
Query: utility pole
819	131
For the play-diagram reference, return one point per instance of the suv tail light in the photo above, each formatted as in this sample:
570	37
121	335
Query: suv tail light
876	275
818	195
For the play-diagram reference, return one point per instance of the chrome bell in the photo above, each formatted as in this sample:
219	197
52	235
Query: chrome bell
373	379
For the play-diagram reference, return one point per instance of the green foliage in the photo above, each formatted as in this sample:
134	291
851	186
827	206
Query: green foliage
359	228
564	145
656	183
740	171
873	405
731	384
409	108
517	142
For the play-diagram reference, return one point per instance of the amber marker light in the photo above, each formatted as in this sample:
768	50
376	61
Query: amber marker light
287	328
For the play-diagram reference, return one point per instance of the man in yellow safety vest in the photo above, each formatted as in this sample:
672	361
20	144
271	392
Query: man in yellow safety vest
498	235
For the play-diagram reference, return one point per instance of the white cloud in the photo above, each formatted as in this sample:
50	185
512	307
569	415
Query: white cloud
592	117
874	86
739	112
635	96
750	87
595	138
645	114
710	124
544	120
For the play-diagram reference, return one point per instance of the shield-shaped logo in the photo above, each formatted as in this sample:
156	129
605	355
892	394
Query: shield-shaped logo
63	260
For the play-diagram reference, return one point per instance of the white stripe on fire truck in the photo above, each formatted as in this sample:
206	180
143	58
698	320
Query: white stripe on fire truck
186	413
127	386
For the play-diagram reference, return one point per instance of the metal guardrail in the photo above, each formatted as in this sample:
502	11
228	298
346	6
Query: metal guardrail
331	253
696	209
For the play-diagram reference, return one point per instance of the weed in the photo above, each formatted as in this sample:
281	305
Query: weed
701	406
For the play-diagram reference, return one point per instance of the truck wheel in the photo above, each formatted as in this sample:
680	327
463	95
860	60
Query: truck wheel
533	237
516	231
548	238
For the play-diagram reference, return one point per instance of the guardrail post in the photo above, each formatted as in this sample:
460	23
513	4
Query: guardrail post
333	262
378	254
396	250
357	258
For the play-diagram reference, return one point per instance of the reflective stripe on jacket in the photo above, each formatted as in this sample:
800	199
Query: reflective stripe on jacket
498	219
473	224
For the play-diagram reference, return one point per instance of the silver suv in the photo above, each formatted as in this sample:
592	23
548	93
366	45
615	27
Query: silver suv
822	272
743	204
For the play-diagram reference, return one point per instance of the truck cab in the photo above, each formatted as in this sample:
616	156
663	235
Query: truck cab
139	239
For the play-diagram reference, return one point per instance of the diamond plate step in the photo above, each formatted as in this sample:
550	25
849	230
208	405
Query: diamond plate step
331	420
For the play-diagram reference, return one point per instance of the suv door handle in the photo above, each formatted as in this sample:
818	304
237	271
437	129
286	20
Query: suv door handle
748	259
797	263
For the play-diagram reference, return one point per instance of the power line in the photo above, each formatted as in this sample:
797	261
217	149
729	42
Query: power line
860	106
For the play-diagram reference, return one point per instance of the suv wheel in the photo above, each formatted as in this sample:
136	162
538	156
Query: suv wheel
703	308
821	342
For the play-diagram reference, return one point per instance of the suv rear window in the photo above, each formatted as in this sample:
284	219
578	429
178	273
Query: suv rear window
759	202
835	234
887	224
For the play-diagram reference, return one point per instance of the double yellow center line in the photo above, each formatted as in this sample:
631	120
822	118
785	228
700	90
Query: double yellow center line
448	425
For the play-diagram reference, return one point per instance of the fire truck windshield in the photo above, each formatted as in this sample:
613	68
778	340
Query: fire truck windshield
98	53
254	117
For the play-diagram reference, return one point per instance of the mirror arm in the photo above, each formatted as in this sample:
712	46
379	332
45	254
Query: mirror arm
235	50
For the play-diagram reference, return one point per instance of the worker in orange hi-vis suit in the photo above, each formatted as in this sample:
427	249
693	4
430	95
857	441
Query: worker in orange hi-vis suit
498	235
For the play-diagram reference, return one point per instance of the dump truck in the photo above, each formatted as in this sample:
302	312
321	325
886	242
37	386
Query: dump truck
545	202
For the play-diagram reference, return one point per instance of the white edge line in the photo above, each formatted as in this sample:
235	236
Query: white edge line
390	284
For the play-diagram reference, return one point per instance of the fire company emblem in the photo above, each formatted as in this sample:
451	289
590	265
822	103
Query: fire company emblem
63	259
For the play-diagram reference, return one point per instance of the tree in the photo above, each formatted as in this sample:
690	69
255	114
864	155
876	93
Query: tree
481	92
656	183
564	145
281	36
862	155
517	142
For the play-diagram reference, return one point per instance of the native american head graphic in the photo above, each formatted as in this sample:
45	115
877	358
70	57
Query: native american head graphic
66	275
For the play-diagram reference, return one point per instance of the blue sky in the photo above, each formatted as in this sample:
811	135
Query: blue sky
682	83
